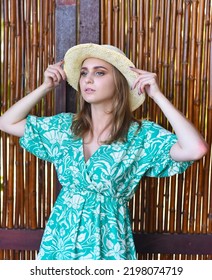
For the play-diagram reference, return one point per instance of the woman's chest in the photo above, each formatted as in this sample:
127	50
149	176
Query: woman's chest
89	148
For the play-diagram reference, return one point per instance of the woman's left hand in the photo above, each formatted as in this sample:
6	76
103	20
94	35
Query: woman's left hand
146	82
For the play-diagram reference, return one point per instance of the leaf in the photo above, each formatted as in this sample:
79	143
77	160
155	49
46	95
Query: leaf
81	237
109	244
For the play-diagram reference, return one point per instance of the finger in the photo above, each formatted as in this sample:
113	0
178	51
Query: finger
59	68
146	82
60	63
62	72
58	71
134	85
151	77
139	85
138	71
141	88
141	79
53	74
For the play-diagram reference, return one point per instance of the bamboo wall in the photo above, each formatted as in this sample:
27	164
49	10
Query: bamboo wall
27	184
172	39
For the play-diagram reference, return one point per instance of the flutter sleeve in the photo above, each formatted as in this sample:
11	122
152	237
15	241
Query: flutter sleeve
157	145
44	136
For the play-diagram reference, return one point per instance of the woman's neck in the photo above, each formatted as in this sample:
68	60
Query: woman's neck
100	120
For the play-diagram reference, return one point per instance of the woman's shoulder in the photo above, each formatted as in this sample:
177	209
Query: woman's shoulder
63	117
63	120
147	129
60	118
58	121
142	126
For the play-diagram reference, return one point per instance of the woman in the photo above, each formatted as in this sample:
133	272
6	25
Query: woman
100	153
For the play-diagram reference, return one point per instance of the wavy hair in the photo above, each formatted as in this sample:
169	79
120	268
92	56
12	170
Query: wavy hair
121	114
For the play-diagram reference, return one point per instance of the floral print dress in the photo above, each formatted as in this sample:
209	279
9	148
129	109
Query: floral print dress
90	218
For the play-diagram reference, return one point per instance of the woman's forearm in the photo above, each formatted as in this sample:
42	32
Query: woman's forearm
190	145
13	120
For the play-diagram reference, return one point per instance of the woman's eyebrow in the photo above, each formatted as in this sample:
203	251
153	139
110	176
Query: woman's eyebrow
95	67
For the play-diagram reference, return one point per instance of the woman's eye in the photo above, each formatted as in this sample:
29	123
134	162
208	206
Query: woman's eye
100	73
83	74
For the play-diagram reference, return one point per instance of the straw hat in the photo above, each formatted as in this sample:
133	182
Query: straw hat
75	56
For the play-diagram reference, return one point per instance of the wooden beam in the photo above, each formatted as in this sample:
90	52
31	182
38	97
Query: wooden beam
20	239
155	243
166	243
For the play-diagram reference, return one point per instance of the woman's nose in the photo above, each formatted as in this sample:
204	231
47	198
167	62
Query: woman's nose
89	79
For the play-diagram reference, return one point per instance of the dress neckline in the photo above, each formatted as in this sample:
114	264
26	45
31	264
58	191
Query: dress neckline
86	162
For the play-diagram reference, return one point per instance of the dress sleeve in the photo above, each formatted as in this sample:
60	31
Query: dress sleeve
158	144
44	136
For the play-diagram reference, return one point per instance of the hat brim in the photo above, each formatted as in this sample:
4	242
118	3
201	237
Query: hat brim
75	56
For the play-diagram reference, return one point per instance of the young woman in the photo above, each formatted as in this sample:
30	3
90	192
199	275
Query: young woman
100	153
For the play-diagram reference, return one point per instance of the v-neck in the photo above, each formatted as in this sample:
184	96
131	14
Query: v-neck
100	147
93	155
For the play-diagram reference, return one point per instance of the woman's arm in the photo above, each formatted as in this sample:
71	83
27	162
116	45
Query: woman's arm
190	144
14	119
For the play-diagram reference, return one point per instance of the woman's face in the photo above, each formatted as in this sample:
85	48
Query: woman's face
97	82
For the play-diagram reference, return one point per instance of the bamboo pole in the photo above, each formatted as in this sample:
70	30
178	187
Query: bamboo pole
172	51
109	19
1	95
122	24
141	35
152	42
179	195
10	214
206	72
18	39
116	22
166	52
209	112
178	76
103	20
151	53
128	31
21	94
134	20
160	205
185	47
157	24
172	205
146	43
4	108
32	183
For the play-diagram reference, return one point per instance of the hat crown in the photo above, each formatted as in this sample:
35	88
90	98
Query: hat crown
113	48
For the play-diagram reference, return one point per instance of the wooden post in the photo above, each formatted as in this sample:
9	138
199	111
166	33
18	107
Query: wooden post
89	24
65	38
76	22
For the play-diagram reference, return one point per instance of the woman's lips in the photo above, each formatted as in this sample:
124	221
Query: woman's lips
89	90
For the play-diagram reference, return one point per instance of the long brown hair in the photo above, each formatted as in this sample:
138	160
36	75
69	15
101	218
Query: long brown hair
121	113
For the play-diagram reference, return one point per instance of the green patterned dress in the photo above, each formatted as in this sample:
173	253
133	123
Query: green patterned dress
90	218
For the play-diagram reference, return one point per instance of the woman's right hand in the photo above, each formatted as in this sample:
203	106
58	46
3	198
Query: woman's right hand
54	74
14	119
